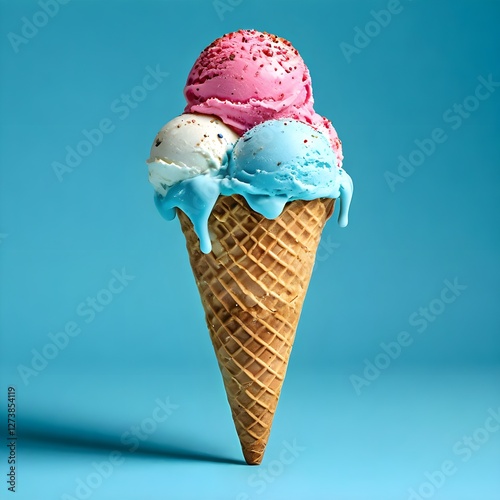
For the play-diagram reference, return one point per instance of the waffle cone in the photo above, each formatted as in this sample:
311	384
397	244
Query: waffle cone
252	286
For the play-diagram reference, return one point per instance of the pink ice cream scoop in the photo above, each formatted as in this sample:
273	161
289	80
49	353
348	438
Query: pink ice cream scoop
325	126
248	77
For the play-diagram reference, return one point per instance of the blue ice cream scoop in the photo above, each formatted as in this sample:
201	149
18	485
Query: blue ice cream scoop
283	160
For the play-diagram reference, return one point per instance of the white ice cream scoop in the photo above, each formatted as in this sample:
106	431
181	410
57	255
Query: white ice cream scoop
187	146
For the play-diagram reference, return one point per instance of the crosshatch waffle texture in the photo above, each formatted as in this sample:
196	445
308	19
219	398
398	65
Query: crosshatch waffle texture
252	286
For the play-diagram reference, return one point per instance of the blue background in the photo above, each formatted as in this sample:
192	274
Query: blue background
61	241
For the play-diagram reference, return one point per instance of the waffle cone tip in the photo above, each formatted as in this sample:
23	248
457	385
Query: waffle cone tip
253	457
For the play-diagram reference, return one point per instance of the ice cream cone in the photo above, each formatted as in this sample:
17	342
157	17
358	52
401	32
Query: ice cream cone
252	286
